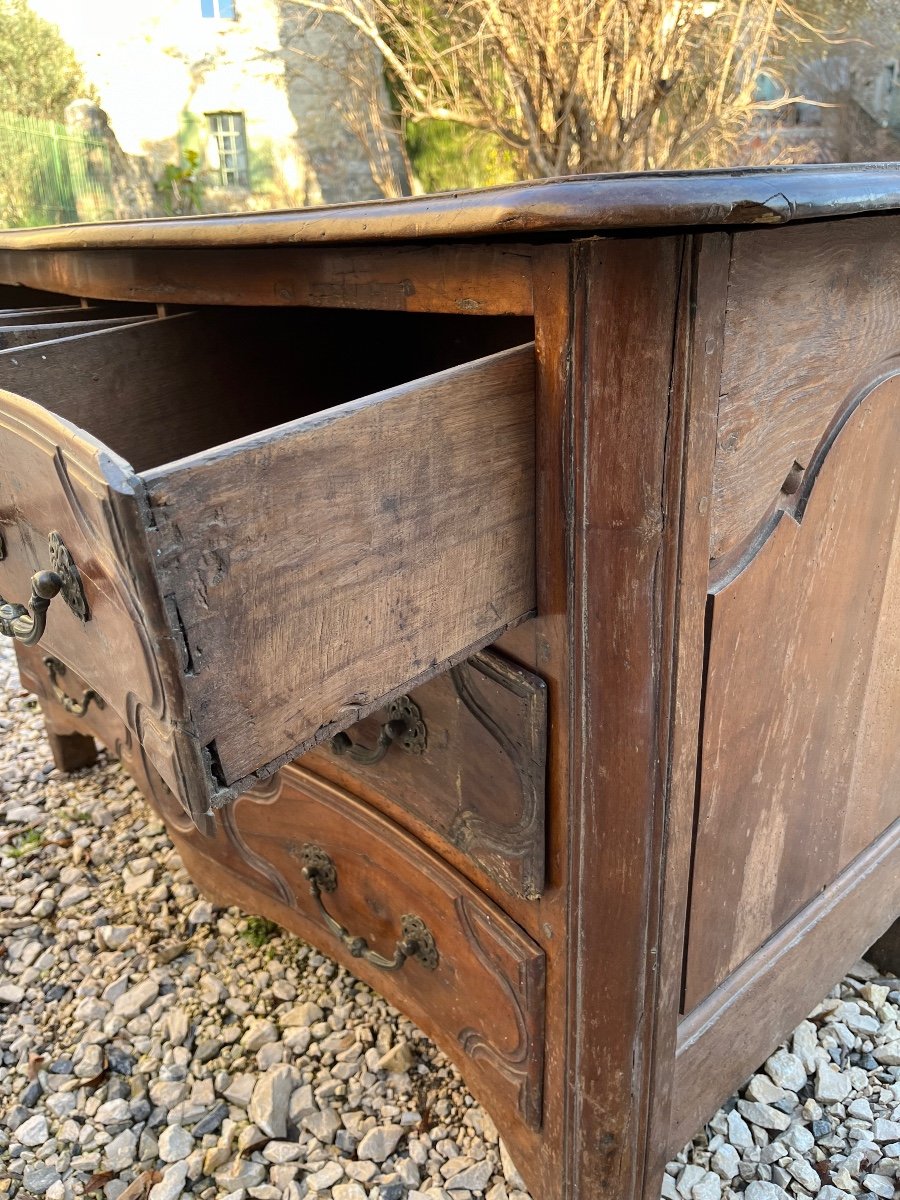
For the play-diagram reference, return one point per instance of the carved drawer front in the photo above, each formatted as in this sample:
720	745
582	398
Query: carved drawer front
364	890
465	754
199	519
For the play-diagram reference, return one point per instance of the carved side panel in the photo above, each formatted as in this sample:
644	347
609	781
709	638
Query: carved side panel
800	753
480	782
813	316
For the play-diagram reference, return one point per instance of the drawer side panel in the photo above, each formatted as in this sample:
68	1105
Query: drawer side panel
323	566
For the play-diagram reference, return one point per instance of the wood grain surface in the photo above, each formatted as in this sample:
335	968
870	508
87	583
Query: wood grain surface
800	758
813	320
55	478
584	203
483	1004
480	780
474	280
696	372
627	482
368	547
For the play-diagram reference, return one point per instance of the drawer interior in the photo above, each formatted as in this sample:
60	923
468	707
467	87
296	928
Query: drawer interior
159	390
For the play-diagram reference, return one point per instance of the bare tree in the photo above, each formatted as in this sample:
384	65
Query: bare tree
573	86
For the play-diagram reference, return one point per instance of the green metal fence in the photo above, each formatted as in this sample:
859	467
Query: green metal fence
50	174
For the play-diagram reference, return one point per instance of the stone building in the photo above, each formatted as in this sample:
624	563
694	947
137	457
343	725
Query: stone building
258	89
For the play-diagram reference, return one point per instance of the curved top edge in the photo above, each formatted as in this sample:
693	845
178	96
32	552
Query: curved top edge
567	206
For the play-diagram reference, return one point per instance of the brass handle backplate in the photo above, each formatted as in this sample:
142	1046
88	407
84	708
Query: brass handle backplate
77	708
404	728
415	940
27	623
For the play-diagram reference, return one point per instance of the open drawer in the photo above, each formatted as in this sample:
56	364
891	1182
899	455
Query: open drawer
251	558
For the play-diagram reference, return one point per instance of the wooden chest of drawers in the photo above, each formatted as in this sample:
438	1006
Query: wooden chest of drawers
551	537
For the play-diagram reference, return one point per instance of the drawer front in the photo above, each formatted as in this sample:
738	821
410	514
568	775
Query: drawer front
68	505
470	763
69	705
473	980
247	602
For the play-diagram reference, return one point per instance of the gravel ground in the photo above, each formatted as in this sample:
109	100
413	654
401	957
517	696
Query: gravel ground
151	1045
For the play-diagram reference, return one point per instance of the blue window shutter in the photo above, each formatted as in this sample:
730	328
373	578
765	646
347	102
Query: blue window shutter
207	8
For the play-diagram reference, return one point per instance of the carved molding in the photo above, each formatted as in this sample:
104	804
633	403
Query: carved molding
522	981
795	492
526	748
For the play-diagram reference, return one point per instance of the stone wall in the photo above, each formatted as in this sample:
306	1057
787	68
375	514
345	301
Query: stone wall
160	69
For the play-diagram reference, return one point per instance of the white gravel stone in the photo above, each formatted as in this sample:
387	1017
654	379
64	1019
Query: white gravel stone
707	1188
725	1162
171	1186
763	1115
758	1189
120	1152
39	1178
175	1144
325	1178
179	1022
259	1034
113	1112
762	1088
379	1143
860	1108
739	1131
136	999
399	1058
240	1174
304	1015
473	1178
322	1125
886	1131
268	1106
351	1191
879	1185
34	1131
832	1086
799	1137
805	1043
803	1172
786	1070
888	1054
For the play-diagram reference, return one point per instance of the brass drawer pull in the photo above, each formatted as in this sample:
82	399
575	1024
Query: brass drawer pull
77	708
27	623
404	728
16	621
415	939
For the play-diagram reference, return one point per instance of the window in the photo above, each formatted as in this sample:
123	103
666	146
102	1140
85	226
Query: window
217	8
228	148
885	88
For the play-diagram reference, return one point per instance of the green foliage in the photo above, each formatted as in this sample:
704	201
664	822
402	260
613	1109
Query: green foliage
259	931
25	843
445	156
179	187
39	74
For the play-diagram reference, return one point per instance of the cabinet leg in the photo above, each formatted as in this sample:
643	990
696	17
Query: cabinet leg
885	953
72	751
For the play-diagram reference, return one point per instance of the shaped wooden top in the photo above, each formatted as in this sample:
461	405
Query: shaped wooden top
575	205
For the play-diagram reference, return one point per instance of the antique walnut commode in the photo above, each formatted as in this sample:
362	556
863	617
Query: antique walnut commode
551	535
